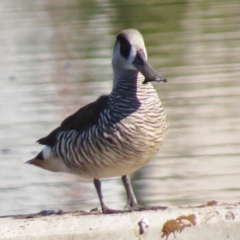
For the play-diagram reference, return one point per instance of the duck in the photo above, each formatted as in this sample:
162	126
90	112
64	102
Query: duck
118	133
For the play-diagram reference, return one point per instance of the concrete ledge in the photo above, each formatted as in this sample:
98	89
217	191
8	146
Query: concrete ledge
206	222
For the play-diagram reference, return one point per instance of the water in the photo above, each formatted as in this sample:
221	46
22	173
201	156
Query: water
56	57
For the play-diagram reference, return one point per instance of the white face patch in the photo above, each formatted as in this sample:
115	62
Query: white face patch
132	55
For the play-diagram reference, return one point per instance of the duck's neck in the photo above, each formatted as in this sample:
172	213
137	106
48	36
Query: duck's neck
128	84
129	92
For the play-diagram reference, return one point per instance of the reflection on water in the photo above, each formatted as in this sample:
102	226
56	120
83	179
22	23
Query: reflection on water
55	58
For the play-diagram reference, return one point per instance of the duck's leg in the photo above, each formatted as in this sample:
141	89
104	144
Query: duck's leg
105	209
132	202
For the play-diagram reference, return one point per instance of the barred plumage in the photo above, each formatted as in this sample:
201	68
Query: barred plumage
117	134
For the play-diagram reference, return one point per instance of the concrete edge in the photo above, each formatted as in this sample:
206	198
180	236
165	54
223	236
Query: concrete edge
208	221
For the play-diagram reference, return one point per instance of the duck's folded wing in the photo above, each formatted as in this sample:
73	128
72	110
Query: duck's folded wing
80	121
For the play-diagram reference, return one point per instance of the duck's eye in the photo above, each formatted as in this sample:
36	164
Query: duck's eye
125	48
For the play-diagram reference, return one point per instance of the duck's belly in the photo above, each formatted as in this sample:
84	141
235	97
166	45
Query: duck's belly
124	151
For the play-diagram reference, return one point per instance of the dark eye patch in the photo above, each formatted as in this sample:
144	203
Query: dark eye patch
125	46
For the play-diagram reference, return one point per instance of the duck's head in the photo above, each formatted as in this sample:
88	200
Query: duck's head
130	54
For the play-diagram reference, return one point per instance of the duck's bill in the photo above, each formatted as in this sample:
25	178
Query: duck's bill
150	74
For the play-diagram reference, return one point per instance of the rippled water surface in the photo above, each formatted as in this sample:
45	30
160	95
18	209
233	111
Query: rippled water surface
56	57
